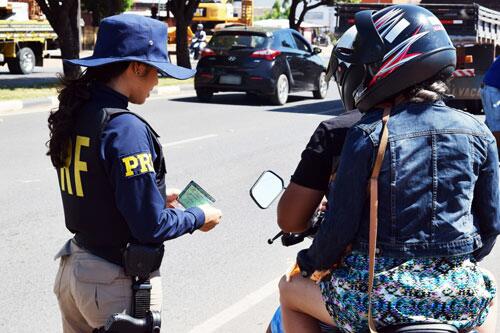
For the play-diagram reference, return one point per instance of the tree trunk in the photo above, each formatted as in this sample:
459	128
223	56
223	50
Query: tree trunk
181	38
292	14
64	19
70	39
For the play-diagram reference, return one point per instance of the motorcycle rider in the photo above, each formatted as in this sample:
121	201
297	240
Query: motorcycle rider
112	173
199	41
309	183
439	201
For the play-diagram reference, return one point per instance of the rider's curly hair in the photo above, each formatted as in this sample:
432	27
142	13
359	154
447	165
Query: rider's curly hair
72	97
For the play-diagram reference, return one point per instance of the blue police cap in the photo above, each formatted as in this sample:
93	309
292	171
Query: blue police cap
129	37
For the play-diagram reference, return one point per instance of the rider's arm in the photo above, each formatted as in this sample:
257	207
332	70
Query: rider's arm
296	206
124	144
346	200
309	182
486	202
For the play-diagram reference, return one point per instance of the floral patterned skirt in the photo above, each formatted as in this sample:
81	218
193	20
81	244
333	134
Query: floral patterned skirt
453	290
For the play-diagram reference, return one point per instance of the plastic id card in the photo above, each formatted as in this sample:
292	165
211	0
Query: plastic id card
193	195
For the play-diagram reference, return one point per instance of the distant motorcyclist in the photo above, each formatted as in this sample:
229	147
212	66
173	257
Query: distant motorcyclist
198	42
438	190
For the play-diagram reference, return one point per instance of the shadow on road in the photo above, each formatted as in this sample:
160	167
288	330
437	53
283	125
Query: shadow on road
27	82
327	107
227	99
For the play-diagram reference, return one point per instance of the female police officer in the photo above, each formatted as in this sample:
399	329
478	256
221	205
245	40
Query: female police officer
111	172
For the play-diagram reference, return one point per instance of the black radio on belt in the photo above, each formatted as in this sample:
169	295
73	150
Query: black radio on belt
140	260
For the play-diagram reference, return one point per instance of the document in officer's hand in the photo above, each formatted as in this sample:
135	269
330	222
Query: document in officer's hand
194	195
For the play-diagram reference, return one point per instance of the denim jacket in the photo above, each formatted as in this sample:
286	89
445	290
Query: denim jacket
438	188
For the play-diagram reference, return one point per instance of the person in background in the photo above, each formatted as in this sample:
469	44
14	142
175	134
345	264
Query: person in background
111	172
490	96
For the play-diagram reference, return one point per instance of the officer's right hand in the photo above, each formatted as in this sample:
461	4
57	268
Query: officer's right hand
212	217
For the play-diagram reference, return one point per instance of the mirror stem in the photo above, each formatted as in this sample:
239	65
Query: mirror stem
278	235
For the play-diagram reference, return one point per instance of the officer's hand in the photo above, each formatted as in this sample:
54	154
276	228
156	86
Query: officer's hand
172	195
212	217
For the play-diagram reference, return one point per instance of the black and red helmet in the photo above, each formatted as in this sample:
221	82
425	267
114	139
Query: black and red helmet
396	47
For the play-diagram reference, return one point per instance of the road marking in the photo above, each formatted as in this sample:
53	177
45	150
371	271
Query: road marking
27	181
237	308
175	143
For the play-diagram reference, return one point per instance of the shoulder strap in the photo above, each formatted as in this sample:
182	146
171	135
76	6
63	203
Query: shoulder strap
372	243
110	113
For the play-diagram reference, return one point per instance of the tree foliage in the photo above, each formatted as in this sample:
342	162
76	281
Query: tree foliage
101	9
63	16
279	10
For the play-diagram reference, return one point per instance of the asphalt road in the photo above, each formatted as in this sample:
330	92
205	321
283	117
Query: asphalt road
221	281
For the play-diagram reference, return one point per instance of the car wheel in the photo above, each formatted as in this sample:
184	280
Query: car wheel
322	87
24	63
204	95
280	91
474	106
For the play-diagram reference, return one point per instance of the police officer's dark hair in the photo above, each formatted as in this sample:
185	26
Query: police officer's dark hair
72	97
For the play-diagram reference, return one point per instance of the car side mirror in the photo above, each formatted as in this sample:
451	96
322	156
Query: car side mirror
317	50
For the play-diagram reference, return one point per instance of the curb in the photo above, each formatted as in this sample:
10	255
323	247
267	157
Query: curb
15	105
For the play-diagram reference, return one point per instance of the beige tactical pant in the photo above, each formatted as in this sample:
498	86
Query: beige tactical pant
89	289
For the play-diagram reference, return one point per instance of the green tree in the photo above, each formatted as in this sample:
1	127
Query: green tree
279	10
101	9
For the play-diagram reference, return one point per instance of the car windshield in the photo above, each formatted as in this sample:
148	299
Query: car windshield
237	41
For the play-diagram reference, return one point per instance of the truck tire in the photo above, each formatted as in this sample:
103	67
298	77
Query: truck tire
474	106
24	63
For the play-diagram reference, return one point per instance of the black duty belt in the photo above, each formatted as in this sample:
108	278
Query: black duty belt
111	254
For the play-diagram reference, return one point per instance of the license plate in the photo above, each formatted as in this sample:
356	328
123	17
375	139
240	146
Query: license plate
230	79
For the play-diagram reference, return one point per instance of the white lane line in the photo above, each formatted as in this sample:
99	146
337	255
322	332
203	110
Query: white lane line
27	181
237	308
175	143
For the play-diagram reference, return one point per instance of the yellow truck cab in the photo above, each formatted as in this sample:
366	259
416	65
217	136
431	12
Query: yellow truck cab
212	12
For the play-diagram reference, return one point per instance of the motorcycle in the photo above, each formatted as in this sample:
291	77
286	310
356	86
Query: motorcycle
266	189
196	47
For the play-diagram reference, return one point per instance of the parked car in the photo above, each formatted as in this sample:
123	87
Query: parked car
260	61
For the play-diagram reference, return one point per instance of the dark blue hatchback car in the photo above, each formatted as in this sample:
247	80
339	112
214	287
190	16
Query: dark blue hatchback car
260	61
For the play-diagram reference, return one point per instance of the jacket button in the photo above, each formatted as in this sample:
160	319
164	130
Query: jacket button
151	43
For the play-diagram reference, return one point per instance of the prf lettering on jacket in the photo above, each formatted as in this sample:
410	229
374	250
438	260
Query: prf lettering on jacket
137	164
78	166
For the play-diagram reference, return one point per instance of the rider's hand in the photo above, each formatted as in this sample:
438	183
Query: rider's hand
212	217
172	196
292	271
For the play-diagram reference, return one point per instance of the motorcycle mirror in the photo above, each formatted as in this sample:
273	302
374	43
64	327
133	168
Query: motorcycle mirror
266	189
